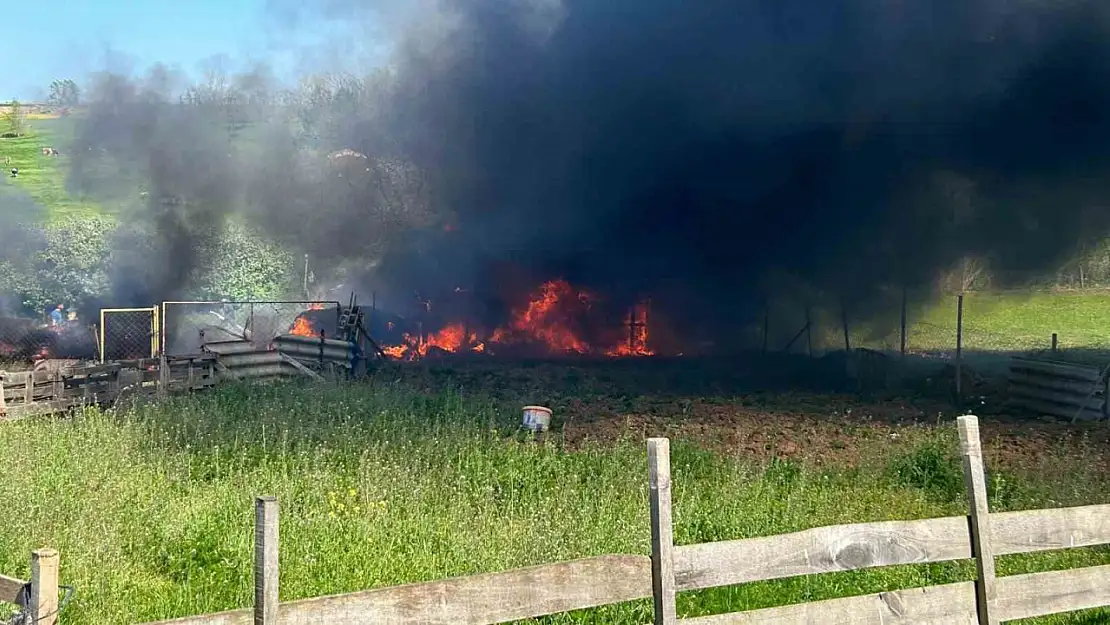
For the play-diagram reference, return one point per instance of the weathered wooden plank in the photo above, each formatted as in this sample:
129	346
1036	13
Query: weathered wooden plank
266	572
486	599
1060	369
821	550
982	547
662	532
44	586
1040	594
476	600
230	617
1027	531
949	604
11	589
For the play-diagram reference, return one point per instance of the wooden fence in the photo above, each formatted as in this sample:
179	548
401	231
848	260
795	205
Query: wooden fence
37	598
1059	388
29	393
591	582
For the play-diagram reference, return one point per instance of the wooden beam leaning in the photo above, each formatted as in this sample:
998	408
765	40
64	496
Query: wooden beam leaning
662	532
986	586
266	561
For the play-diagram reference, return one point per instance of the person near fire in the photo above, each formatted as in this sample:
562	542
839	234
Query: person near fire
56	316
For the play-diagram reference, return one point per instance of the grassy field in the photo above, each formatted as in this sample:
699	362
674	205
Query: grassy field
405	480
42	178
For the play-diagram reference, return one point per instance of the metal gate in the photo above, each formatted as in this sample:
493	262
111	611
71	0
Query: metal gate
128	333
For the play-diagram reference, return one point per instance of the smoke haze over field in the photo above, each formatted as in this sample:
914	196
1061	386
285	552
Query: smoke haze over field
689	151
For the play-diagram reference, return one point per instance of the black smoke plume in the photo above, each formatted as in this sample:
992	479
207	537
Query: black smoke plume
695	152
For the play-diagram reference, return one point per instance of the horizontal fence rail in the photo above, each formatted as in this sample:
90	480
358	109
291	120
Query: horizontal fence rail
537	591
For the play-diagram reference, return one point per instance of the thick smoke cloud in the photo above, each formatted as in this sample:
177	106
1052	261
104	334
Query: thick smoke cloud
702	147
693	152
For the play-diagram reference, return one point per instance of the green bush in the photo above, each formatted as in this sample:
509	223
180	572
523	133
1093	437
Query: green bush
931	466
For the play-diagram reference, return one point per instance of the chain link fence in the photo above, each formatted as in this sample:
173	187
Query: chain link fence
128	333
187	326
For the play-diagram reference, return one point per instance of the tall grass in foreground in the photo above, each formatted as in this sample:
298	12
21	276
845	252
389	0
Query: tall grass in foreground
151	509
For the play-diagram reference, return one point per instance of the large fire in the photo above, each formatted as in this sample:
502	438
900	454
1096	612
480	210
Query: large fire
547	320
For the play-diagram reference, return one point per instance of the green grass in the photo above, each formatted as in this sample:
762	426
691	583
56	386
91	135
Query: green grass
43	178
379	484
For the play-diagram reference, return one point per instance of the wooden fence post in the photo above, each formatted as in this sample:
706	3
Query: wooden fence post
44	587
986	585
266	561
163	375
959	346
662	534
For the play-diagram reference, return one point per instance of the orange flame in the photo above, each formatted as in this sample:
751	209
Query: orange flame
453	338
637	335
541	320
302	327
545	319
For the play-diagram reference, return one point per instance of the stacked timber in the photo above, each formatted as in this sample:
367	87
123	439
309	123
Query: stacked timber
1062	389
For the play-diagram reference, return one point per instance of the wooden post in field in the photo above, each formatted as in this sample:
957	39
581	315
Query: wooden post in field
986	585
662	532
1054	342
44	587
904	306
266	561
959	345
163	375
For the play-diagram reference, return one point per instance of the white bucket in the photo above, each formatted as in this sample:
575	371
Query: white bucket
537	418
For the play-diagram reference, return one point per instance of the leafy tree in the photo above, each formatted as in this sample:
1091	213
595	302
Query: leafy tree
64	93
15	120
66	262
242	265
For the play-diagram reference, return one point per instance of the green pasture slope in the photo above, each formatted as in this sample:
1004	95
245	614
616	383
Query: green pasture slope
1017	321
151	508
42	178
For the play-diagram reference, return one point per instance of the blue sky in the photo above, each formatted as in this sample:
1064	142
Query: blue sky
49	39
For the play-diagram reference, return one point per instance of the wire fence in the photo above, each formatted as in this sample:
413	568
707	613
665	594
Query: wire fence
987	329
187	326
